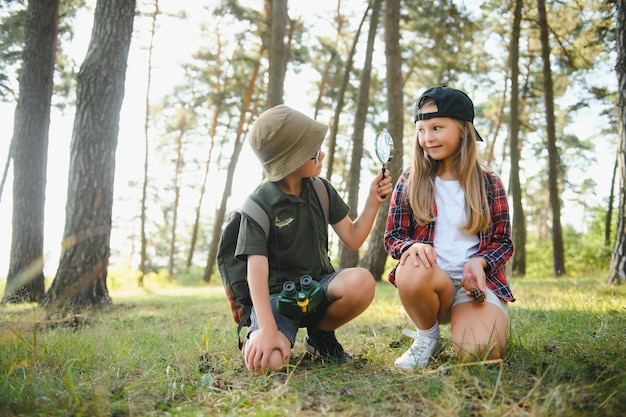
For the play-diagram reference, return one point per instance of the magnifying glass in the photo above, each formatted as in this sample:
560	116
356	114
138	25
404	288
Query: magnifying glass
383	147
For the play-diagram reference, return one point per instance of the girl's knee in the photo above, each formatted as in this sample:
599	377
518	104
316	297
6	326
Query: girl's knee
410	278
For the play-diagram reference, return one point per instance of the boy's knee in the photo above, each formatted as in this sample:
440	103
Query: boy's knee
365	285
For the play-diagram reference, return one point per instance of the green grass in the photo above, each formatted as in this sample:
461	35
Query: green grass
172	352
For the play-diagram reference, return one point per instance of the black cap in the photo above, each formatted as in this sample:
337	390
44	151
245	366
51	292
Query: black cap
450	103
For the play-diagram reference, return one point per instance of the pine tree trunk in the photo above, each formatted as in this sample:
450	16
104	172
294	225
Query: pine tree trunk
29	148
558	252
348	257
376	256
80	280
519	218
277	20
617	273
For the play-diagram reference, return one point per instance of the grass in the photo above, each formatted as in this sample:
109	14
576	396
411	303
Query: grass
172	352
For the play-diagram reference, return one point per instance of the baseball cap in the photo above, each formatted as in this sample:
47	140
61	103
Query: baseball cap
284	139
450	103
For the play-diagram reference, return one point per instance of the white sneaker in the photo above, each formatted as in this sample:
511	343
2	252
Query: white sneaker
420	352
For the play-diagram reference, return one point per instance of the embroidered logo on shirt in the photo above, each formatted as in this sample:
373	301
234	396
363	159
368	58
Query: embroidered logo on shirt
282	223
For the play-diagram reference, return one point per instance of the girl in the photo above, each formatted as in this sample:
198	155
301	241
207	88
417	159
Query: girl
449	228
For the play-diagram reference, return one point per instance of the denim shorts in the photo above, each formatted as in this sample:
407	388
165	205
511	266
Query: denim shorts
461	297
289	325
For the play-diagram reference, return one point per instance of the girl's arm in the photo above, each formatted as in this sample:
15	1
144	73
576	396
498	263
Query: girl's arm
499	245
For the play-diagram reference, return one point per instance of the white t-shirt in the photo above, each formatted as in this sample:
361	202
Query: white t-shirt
453	246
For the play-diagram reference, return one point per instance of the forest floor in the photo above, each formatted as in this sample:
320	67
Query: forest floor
173	352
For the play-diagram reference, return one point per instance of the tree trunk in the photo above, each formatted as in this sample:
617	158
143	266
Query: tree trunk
81	278
205	178
348	257
609	211
519	218
29	148
277	51
617	273
341	95
182	128
558	268
220	215
146	163
376	256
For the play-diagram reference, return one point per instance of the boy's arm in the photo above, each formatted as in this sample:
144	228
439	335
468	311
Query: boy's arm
260	347
354	233
258	281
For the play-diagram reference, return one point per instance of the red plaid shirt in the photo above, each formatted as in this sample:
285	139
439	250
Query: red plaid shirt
495	245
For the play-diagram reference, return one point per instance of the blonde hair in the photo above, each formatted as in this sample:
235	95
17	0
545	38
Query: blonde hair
421	181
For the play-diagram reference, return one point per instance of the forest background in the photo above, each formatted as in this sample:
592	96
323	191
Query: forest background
462	44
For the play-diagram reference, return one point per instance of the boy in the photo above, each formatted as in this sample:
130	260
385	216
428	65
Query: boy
288	144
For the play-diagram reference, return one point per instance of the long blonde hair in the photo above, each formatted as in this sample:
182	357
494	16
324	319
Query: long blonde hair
421	181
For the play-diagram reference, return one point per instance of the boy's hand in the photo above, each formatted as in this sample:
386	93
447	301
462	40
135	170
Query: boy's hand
266	350
381	187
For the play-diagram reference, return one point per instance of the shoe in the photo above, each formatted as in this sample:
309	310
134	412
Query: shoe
324	344
421	351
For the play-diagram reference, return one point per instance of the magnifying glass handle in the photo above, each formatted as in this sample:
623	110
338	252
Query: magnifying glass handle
383	171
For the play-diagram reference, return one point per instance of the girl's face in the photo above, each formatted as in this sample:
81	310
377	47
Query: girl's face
440	137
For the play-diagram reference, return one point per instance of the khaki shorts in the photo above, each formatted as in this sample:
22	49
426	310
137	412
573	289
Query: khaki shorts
461	297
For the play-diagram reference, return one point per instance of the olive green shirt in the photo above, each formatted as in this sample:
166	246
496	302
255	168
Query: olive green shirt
298	240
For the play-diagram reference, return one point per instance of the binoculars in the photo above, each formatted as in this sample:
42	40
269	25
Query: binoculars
294	302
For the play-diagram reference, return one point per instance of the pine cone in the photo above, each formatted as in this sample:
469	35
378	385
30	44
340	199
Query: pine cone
478	295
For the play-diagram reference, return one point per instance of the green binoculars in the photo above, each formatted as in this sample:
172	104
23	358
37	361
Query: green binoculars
294	302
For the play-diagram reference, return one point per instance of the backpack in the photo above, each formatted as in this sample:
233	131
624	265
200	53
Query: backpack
234	271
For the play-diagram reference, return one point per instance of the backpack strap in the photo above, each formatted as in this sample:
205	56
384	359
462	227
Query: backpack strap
322	196
254	211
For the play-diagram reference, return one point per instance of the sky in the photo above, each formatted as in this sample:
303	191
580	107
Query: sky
174	44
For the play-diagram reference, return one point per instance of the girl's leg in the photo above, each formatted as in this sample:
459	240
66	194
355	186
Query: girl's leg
424	293
352	291
478	331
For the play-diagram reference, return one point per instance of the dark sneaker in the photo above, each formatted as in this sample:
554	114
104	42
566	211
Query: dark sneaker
324	344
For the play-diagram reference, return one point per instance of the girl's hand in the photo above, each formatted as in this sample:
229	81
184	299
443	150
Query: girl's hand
474	279
420	254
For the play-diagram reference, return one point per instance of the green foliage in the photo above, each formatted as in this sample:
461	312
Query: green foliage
173	352
585	252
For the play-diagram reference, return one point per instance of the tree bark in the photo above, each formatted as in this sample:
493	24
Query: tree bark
80	280
617	272
29	149
143	257
277	51
519	219
558	262
376	256
348	257
220	215
341	95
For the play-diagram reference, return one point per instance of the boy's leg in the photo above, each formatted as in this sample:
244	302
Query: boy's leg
351	291
478	330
